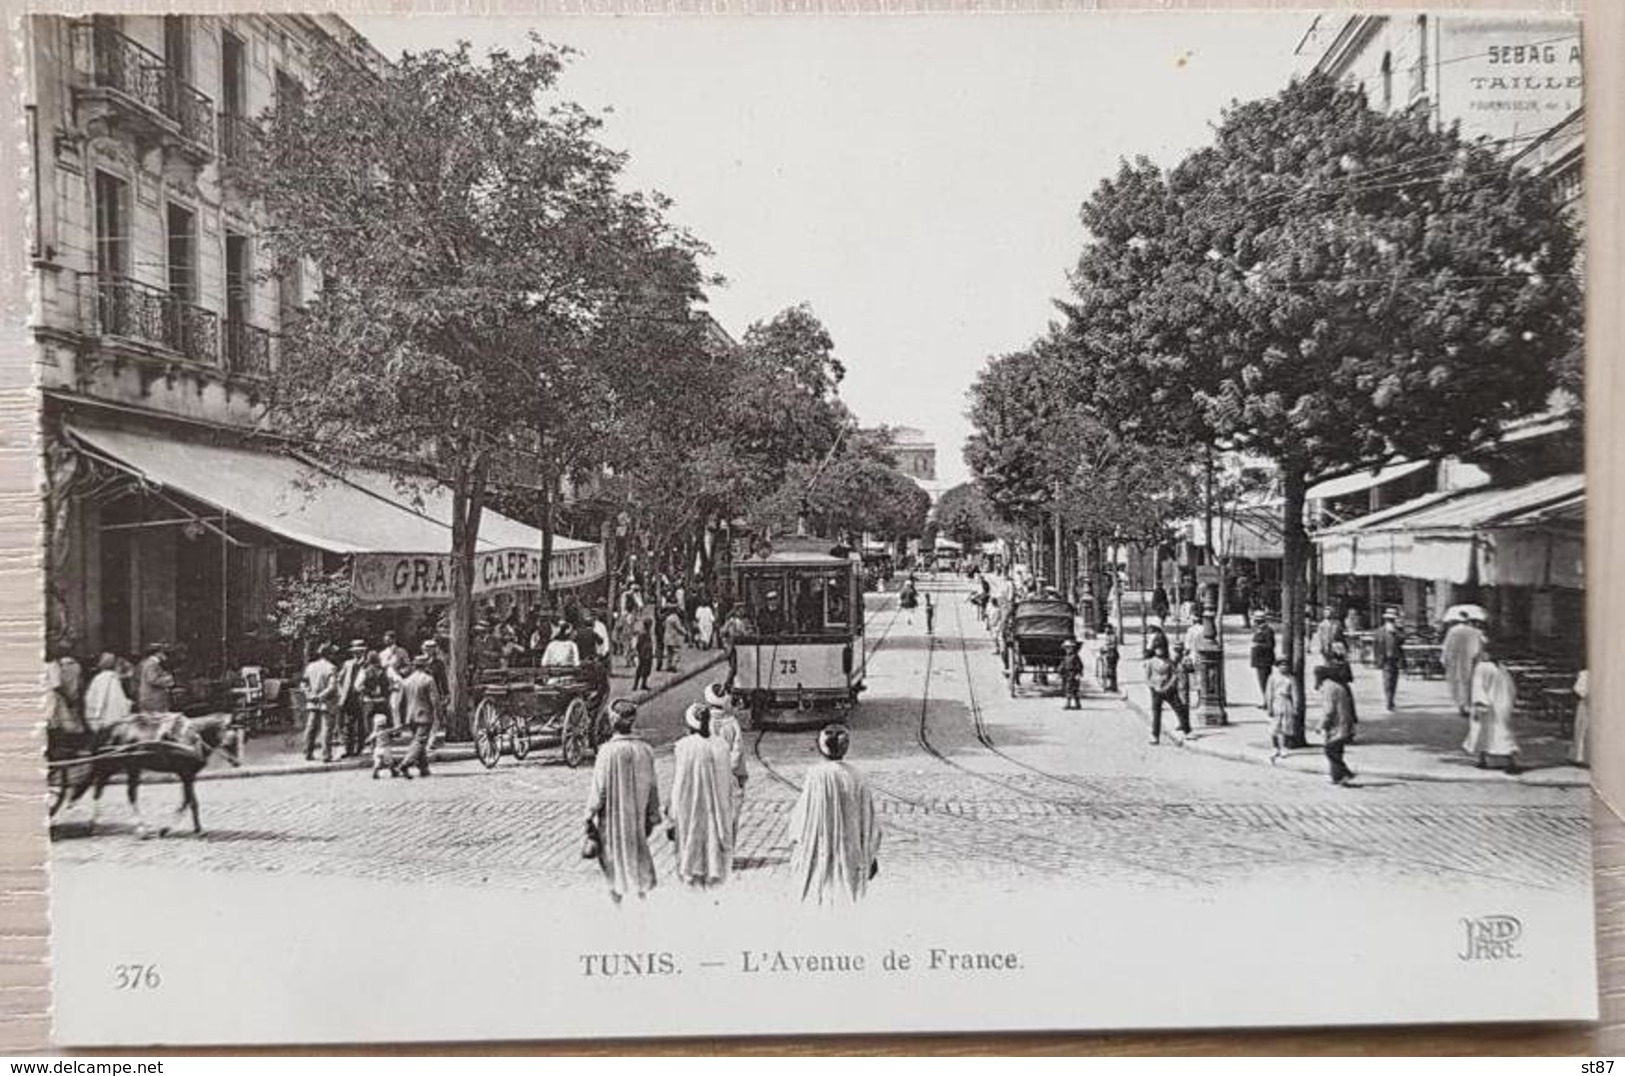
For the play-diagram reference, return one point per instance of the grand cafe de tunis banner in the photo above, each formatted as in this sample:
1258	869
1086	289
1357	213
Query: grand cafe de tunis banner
391	578
905	807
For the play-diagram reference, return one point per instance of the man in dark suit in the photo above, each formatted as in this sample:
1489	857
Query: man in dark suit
1388	646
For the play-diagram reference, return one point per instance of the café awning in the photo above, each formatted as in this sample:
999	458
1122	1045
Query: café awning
399	538
1528	535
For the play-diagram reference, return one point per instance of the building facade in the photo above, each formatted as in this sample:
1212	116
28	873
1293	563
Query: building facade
1504	526
1507	78
156	310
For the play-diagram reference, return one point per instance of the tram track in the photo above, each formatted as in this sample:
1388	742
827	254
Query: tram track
984	738
1014	837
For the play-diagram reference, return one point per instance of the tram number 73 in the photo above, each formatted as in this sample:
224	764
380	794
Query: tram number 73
787	666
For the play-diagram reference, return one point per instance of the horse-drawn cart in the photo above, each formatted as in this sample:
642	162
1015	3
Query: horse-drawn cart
1036	634
549	705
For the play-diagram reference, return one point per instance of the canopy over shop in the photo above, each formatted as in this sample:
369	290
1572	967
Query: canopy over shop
1518	550
393	534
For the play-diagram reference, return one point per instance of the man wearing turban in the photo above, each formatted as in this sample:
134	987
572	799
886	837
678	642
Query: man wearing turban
834	828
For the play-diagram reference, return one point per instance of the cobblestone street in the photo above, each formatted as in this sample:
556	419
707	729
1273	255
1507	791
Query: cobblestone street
973	786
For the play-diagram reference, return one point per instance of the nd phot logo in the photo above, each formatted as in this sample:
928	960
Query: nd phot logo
1491	937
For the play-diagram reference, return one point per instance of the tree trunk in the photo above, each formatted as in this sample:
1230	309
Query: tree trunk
549	481
467	501
1294	582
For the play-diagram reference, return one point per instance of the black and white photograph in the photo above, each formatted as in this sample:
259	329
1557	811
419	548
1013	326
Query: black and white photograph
622	527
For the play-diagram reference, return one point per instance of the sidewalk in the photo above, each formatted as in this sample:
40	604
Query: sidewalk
281	752
1420	741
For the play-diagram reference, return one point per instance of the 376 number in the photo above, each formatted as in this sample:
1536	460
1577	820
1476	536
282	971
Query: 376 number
136	977
787	666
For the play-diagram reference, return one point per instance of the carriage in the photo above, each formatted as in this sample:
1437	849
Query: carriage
1035	636
562	705
802	660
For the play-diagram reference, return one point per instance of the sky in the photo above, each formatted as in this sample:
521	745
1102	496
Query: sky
915	179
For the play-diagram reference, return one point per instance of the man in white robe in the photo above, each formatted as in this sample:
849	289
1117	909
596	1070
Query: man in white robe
1458	654
105	701
1489	729
725	727
700	817
623	807
834	828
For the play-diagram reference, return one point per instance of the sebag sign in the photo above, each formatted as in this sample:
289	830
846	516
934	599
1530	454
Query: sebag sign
425	577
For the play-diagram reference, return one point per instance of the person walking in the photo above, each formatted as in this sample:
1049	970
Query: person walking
105	701
1281	701
321	690
1159	603
1159	681
1180	699
1330	633
1337	722
347	701
834	828
699	819
383	755
674	636
1156	642
623	806
397	663
930	615
423	705
1491	700
1109	654
1580	746
1262	656
435	665
1071	677
643	651
705	625
1463	642
725	727
154	682
1388	648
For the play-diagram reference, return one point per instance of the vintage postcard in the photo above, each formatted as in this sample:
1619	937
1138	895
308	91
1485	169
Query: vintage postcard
642	527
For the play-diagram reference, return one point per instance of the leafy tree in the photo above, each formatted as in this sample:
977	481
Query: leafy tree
476	257
312	610
854	494
965	514
1328	287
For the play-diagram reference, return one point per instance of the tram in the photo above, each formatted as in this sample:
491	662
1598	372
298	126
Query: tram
801	660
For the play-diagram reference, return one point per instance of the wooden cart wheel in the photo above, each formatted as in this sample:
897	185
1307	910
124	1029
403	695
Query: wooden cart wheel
521	735
573	738
487	743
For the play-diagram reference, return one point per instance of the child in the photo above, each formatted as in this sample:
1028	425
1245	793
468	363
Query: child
1108	659
383	755
1281	699
1071	676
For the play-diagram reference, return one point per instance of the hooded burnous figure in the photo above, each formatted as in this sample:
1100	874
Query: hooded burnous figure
834	827
623	807
701	816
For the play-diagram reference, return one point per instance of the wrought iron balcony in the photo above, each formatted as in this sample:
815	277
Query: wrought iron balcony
238	138
248	349
157	318
136	78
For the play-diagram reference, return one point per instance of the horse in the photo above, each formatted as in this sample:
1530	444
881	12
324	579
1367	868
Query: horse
161	743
